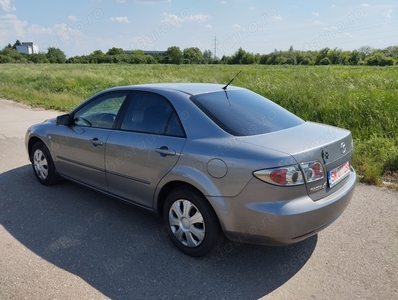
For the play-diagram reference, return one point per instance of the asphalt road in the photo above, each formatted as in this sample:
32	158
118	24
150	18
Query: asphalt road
68	242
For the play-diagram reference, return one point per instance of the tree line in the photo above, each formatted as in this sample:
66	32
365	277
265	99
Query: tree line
193	55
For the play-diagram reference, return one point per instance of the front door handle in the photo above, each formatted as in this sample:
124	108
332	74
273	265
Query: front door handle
164	151
96	142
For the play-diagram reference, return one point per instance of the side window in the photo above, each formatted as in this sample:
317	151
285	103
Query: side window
152	113
101	112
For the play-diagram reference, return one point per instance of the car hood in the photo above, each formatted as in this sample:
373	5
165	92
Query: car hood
306	141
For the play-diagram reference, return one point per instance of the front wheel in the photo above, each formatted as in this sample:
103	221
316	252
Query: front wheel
192	224
43	165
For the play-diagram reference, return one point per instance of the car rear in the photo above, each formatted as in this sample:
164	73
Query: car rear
282	203
289	203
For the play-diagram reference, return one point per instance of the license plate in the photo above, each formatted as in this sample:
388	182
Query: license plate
338	174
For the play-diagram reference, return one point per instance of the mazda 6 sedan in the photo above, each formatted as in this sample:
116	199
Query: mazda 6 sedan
214	161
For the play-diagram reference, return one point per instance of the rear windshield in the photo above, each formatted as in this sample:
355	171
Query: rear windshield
244	113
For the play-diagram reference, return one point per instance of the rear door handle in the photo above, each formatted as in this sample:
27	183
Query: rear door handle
96	142
163	151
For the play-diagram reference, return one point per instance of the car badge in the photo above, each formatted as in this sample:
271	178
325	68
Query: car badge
343	148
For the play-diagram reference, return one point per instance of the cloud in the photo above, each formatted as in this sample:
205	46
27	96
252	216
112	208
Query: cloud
223	2
175	20
388	13
208	26
10	24
364	5
6	5
348	34
237	26
72	18
119	19
37	30
317	22
198	18
65	30
315	14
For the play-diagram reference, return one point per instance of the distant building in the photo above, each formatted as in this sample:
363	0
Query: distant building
28	48
152	53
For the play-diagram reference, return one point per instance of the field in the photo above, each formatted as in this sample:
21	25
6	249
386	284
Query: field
362	99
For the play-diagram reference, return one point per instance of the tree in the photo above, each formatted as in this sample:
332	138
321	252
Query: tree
379	59
192	55
365	50
241	57
334	56
55	55
208	56
321	55
96	57
115	51
306	61
14	54
173	55
17	43
325	61
391	51
38	58
4	59
138	57
354	58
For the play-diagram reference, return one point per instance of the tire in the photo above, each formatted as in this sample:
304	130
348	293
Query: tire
43	165
192	224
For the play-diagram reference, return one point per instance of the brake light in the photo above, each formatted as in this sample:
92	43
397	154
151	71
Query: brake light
292	175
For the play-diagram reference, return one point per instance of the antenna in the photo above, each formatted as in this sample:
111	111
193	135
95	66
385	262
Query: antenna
225	87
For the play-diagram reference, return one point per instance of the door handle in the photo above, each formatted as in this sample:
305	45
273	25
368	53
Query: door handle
164	151
96	142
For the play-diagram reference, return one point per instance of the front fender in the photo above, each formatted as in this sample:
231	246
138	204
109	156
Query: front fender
38	132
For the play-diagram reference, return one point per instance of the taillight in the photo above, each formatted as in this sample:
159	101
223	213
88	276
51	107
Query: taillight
285	176
292	175
313	171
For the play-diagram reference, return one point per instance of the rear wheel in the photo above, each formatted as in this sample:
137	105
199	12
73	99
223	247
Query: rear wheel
192	224
43	165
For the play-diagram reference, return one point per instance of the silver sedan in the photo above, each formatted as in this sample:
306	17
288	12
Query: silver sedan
215	161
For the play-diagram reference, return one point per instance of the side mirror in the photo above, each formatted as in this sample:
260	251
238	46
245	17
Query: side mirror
63	120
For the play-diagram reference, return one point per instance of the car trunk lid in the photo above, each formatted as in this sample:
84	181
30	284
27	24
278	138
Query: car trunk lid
308	142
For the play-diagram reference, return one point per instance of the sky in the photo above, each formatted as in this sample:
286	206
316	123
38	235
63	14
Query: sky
79	27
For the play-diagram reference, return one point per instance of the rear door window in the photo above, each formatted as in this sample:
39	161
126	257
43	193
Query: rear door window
152	113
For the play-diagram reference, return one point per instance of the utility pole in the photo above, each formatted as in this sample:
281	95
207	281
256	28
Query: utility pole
215	47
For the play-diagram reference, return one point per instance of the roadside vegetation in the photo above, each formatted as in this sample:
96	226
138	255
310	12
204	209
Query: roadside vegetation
362	99
174	55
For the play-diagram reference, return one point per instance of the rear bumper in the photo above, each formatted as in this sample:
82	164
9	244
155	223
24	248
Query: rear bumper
272	222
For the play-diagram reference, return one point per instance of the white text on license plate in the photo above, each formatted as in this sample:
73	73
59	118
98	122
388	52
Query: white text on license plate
338	174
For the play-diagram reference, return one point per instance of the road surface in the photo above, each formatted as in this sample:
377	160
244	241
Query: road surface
68	242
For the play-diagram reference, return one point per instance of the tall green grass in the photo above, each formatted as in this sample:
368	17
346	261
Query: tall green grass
362	99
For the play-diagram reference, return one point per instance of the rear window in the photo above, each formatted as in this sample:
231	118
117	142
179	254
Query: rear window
244	113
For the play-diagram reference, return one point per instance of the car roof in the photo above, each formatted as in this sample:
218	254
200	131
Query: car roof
188	88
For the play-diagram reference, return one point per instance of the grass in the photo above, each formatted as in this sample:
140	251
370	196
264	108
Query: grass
362	99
